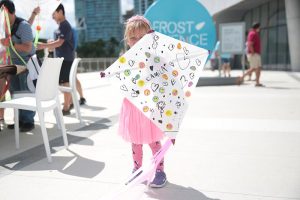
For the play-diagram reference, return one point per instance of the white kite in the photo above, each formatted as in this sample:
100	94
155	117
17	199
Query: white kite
24	9
158	75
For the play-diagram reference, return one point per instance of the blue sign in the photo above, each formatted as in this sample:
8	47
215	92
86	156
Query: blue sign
186	20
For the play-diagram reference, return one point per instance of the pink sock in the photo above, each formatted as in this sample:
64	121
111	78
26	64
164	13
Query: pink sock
155	147
137	155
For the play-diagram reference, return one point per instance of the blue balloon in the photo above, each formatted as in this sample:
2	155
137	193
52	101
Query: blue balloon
186	20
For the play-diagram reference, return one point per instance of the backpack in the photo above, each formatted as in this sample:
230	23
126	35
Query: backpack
33	64
75	38
15	26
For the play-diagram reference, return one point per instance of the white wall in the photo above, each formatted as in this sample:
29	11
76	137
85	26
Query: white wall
214	6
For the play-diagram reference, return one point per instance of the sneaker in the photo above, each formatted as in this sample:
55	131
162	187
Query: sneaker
159	180
71	106
12	126
239	80
27	127
82	101
66	112
1	124
259	85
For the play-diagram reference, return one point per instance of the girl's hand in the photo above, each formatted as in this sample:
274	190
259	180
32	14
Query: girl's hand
173	141
102	74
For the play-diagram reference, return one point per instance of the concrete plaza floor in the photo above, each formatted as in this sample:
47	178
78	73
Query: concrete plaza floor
235	143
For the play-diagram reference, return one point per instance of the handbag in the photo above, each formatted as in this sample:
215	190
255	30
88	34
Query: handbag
33	66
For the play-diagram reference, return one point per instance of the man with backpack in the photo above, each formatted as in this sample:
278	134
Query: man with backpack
22	41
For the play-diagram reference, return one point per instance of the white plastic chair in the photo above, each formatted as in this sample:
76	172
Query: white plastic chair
46	98
72	88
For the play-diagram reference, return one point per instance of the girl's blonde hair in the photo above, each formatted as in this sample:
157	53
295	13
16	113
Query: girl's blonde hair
134	23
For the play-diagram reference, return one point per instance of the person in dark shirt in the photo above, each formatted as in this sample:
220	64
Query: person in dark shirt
63	46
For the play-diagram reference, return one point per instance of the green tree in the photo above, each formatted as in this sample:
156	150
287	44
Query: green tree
99	48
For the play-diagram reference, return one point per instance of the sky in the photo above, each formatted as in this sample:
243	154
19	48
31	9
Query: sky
24	10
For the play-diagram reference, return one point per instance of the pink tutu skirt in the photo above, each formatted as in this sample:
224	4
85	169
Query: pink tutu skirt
135	127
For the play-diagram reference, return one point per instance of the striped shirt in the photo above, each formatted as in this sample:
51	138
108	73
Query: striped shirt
22	35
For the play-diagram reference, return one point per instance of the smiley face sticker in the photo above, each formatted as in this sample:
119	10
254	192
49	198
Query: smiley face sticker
141	83
174	92
161	90
127	72
145	108
155	99
156	59
142	65
169	113
175	73
122	60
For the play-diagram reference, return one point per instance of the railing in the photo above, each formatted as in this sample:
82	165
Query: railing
94	64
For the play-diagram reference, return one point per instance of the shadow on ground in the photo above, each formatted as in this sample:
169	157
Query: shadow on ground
71	165
176	192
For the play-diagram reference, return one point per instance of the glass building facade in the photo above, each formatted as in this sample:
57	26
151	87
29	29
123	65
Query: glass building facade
274	33
98	19
140	6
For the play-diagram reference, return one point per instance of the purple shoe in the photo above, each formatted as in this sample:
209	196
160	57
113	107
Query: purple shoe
159	180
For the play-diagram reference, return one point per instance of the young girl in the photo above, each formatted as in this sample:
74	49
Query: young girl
134	126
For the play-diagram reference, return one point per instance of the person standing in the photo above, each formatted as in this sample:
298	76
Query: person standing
63	46
134	126
253	54
22	37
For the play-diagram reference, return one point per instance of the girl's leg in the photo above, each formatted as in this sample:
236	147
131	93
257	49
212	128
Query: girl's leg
155	147
137	155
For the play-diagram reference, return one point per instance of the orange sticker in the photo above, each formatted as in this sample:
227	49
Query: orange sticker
178	46
175	73
165	76
147	92
145	108
188	93
169	126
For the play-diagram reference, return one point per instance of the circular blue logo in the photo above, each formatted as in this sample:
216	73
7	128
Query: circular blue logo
186	20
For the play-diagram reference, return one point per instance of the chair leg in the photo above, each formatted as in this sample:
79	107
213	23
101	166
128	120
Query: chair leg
62	124
45	136
57	118
76	105
17	128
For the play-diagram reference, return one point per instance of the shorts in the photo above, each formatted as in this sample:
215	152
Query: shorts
254	60
65	71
